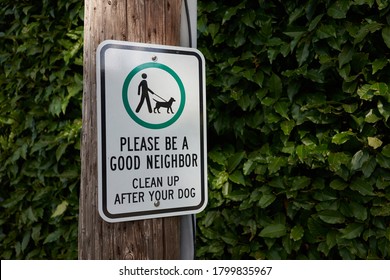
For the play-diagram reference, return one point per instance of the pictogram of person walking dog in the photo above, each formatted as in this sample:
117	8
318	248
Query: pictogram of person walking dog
144	90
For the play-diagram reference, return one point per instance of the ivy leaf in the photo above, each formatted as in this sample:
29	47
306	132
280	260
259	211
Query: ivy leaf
221	179
226	188
282	108
386	36
297	233
300	182
213	29
251	224
350	108
359	159
36	231
337	159
352	231
365	92
383	161
338	184
273	231
287	126
217	156
362	186
326	31
229	238
386	150
371	27
259	78
331	238
369	167
339	9
248	167
61	208
314	22
249	18
25	241
54	236
266	200
275	163
380	89
275	84
346	55
238	195
358	211
342	137
379	64
55	107
235	160
231	12
331	217
303	53
374	142
61	150
237	177
371	117
210	217
384	109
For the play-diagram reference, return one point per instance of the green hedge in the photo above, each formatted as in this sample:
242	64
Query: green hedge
41	46
299	138
298	130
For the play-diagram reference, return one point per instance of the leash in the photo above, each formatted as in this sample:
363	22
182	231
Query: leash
160	97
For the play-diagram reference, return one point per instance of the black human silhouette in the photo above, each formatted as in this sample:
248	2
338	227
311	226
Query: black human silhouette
143	89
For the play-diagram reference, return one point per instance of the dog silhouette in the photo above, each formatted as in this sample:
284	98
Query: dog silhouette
167	104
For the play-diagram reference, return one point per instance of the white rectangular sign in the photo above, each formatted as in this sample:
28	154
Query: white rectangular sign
151	108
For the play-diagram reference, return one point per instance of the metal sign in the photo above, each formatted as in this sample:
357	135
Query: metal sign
151	131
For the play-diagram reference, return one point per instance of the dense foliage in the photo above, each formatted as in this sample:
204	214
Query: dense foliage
298	129
40	120
299	138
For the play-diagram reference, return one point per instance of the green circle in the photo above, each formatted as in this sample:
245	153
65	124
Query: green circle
126	99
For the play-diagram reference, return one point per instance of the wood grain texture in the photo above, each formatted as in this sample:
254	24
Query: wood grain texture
147	21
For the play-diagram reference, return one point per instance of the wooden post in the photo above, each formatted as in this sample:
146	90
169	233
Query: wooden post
146	21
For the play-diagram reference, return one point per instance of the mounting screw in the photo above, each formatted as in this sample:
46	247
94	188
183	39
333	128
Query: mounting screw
154	58
157	203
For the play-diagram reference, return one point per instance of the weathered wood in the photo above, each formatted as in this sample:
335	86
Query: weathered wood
148	21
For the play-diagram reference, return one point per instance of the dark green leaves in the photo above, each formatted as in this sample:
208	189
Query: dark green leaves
298	133
299	104
40	122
